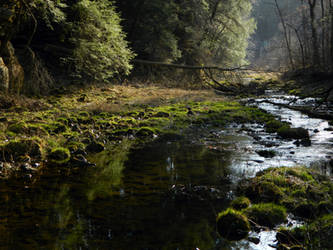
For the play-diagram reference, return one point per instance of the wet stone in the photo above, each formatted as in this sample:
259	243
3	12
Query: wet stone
254	240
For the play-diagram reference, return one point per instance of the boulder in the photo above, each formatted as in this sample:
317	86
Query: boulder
15	70
4	76
232	225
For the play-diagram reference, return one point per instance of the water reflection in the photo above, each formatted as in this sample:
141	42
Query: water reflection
122	203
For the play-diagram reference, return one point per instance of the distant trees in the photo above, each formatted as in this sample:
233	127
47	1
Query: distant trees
306	32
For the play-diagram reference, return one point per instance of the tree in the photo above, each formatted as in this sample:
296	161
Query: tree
100	50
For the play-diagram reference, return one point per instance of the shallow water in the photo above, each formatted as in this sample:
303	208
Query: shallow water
155	196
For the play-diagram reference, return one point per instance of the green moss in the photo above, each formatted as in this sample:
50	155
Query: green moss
240	203
22	147
264	191
232	225
59	155
272	126
83	114
75	145
18	128
145	132
63	120
55	127
266	214
36	130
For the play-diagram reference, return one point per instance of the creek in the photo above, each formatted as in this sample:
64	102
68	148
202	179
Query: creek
162	195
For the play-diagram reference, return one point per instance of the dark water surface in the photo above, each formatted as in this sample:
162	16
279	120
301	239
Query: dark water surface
153	197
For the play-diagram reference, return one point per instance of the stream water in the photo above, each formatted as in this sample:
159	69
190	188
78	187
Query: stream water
155	196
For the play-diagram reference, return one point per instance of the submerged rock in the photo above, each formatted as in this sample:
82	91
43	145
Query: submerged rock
266	153
185	193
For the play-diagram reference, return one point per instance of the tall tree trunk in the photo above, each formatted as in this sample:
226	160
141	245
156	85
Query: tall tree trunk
300	45
285	35
314	36
331	43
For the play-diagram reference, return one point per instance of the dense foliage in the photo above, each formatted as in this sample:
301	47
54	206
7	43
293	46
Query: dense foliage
192	32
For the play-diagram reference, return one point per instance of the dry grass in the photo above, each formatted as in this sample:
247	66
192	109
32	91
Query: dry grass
120	98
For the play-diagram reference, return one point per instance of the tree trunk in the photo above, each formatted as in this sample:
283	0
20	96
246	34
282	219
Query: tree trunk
285	35
314	37
300	45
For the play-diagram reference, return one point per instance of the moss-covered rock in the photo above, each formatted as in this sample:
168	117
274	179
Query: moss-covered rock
145	132
266	214
59	155
263	191
232	225
293	133
273	125
22	147
240	203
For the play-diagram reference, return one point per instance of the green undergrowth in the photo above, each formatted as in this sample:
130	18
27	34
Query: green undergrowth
299	191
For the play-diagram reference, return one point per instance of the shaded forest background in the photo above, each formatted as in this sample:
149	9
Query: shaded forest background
47	43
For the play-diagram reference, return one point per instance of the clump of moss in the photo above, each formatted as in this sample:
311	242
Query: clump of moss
263	191
59	155
240	203
273	125
145	132
17	128
293	133
232	225
266	214
22	147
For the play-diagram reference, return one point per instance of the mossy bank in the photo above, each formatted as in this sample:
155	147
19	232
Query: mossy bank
61	129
